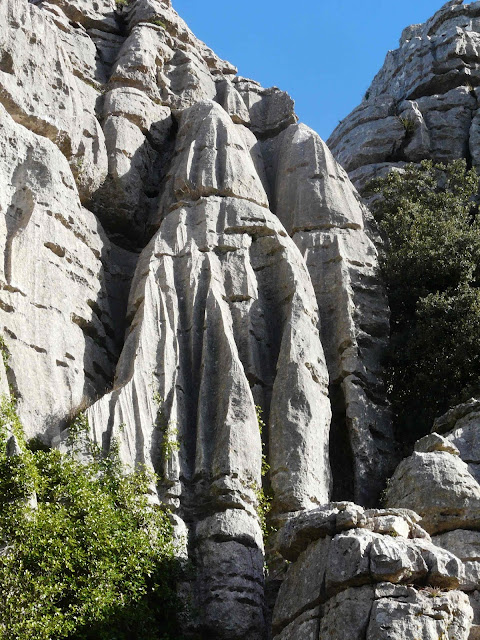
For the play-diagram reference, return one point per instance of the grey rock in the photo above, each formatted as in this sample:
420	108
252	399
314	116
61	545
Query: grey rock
100	14
420	615
211	159
347	614
231	524
60	108
435	442
201	176
303	587
440	488
230	590
48	237
465	545
270	110
428	86
228	287
349	560
396	612
198	295
306	627
229	98
318	205
370	551
475	604
304	528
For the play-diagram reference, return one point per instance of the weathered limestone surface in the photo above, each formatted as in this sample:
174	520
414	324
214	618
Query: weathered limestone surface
423	103
54	306
362	574
178	251
440	481
439	486
314	199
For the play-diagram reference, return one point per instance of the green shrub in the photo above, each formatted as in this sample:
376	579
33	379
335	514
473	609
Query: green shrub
432	271
93	560
408	125
4	352
156	20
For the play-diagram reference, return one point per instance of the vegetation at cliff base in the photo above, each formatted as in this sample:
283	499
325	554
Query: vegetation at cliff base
82	554
429	216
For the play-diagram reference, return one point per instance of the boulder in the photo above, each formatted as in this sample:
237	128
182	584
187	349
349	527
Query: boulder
439	486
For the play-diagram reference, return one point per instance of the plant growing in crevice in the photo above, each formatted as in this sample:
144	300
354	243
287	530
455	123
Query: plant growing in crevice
5	353
261	428
168	428
263	494
157	21
408	124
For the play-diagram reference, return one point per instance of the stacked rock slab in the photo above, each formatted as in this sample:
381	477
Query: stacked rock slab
441	482
371	574
423	103
171	263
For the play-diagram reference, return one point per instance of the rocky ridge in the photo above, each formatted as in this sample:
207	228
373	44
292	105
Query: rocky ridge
422	104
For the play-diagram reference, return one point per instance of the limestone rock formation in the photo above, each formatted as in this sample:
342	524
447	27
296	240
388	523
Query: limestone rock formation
423	103
440	481
361	574
179	255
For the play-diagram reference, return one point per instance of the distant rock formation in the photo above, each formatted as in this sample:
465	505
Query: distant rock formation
423	103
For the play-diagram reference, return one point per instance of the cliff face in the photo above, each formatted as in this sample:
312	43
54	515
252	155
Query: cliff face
178	251
423	103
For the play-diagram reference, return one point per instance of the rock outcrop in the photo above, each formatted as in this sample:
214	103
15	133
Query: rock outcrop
423	103
441	482
180	254
359	573
191	267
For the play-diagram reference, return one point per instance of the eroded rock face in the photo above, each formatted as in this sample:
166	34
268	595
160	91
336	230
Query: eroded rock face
177	252
422	104
440	480
361	574
313	198
55	311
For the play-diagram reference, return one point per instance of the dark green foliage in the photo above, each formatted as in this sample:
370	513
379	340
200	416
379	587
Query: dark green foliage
93	561
432	270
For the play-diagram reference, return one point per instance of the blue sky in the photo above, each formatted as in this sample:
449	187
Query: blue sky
323	52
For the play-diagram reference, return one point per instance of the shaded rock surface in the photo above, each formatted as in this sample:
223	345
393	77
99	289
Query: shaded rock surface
440	481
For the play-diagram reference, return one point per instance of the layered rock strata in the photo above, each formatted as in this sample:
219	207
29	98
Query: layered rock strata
423	103
177	252
367	574
441	482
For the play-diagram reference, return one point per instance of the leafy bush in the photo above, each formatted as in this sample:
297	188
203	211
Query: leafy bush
432	271
92	559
